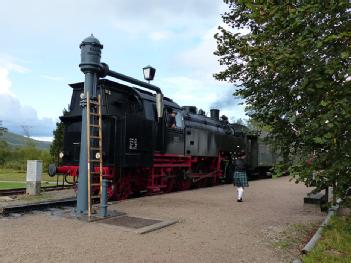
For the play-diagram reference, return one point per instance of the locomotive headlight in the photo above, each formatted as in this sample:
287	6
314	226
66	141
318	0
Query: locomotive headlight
97	155
61	155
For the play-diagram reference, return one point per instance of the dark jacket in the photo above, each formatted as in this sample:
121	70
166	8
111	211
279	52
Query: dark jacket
171	120
240	165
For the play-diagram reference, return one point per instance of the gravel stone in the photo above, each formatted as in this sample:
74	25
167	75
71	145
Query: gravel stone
212	227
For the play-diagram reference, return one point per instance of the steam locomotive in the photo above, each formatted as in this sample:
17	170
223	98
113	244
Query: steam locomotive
142	153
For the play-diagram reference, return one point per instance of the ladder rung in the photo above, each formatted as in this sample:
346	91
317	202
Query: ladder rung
94	114
95	196
94	172
95	137
95	161
94	125
95	148
97	184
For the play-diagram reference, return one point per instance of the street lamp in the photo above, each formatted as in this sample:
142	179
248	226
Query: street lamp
149	73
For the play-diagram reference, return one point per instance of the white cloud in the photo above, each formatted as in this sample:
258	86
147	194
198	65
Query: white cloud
187	91
200	88
133	17
7	64
201	58
10	63
43	138
15	116
5	83
18	118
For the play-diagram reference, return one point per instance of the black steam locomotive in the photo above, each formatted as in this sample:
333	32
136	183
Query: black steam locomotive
143	153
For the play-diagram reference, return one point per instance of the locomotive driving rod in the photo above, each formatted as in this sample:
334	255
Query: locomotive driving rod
105	71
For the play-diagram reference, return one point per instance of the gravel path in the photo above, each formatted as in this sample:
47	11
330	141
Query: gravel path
212	227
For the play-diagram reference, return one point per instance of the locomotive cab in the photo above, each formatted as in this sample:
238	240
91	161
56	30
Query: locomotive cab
174	134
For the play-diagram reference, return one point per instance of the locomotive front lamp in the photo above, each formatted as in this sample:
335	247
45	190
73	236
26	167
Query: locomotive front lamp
149	73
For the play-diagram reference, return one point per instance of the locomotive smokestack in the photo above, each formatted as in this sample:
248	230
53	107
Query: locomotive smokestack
214	114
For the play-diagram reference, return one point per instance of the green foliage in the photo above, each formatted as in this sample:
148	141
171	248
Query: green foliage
2	129
11	185
291	63
57	144
16	157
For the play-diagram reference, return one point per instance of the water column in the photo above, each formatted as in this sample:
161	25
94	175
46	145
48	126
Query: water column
90	66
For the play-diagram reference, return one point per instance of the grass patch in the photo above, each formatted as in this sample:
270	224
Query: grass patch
6	185
13	175
335	244
294	236
287	241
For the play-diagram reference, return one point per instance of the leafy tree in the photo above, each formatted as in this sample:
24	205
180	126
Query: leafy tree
2	129
239	121
57	144
291	63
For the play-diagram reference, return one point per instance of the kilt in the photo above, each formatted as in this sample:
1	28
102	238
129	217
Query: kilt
240	179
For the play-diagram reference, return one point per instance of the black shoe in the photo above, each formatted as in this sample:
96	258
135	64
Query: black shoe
240	200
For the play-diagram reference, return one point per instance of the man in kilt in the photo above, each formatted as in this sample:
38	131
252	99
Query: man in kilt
240	176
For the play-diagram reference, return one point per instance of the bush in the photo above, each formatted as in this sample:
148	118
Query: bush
16	157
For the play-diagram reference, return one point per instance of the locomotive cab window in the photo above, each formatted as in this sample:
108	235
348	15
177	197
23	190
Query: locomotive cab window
174	119
179	120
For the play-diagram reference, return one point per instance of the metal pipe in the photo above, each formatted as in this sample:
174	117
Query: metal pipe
134	81
82	195
103	202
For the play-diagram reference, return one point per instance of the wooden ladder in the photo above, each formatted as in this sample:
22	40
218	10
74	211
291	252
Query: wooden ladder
94	149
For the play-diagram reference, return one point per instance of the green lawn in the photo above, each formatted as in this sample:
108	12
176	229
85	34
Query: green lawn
335	244
6	185
13	175
10	179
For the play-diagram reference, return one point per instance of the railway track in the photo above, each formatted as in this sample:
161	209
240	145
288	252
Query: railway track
20	209
23	208
18	191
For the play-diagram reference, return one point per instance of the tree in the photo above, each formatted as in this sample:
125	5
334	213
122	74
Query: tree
2	129
57	143
291	63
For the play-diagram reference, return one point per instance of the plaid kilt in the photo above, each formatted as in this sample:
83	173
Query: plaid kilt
240	179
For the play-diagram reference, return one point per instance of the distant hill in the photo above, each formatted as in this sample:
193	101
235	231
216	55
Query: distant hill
19	141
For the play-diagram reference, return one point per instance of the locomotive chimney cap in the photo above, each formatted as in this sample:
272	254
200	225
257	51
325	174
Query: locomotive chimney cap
91	40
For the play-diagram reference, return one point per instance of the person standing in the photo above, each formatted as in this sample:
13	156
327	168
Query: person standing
240	176
171	122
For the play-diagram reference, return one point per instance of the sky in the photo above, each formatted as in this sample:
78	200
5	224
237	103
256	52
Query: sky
39	54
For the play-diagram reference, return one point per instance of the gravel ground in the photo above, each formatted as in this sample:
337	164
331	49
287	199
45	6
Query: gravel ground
212	227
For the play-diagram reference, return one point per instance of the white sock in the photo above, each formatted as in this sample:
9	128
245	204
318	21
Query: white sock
240	192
